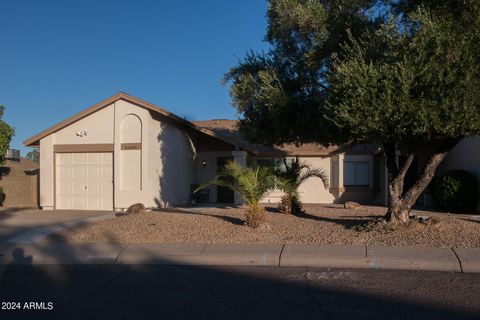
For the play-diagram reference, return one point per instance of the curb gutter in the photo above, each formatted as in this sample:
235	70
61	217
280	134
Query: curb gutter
286	255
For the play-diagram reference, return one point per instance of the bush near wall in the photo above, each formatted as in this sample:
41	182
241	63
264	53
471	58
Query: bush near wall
2	196
456	191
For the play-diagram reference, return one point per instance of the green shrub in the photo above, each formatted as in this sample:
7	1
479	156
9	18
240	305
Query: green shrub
2	196
457	190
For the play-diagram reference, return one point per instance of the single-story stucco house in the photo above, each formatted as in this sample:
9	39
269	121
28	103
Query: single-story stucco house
124	150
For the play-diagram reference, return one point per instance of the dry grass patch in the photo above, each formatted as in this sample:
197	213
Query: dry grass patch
321	224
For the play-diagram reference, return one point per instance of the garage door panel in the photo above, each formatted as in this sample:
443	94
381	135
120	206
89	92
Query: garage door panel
84	181
94	187
94	172
65	172
107	173
65	159
79	172
107	160
79	158
95	158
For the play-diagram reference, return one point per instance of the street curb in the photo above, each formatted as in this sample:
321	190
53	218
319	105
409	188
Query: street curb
288	255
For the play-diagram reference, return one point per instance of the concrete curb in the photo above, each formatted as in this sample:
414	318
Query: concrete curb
413	258
289	255
469	259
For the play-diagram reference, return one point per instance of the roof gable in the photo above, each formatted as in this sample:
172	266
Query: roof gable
34	141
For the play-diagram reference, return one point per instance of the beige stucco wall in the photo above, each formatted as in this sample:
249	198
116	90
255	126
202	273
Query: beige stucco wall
208	173
466	156
171	158
167	156
313	190
46	173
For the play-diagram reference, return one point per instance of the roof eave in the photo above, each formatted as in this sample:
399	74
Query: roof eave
35	140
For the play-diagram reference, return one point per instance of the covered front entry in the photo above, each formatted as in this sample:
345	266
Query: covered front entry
84	181
224	194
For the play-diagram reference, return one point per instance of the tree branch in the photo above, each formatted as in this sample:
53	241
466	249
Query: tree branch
400	178
389	150
428	172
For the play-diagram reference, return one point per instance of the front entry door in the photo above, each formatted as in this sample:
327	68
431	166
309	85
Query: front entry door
224	194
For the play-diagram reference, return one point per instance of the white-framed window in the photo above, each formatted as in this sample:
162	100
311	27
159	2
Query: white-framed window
356	173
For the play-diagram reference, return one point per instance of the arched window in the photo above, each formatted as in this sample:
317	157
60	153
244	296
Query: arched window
131	153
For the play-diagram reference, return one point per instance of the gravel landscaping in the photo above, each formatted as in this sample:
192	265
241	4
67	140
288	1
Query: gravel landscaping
322	224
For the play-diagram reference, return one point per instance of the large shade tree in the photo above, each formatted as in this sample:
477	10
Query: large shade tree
401	73
6	134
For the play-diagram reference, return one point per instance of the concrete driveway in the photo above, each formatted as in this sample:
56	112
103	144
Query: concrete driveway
14	222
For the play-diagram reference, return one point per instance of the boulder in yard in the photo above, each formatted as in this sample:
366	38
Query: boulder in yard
135	208
352	205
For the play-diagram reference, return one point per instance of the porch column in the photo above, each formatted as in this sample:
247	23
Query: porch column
239	157
385	183
341	160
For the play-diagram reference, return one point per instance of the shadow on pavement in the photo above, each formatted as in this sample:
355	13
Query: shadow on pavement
196	292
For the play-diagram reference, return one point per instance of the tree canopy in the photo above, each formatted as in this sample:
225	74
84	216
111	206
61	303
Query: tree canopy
409	67
413	86
6	134
33	155
395	72
280	94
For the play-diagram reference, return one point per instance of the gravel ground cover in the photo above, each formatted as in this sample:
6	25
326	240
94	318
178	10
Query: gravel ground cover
321	224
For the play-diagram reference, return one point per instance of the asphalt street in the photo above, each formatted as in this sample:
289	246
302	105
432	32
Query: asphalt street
169	292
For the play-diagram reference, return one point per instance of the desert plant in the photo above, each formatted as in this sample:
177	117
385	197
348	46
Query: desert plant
457	190
252	183
293	174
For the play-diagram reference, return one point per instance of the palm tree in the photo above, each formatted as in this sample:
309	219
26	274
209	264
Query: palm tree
293	175
252	183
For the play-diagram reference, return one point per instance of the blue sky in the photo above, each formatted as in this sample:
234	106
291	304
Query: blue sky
59	57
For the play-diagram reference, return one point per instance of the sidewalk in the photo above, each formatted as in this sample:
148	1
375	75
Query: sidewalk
327	256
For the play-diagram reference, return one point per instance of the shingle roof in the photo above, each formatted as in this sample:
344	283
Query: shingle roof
229	130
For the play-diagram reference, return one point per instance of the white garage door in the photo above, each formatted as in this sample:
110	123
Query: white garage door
84	181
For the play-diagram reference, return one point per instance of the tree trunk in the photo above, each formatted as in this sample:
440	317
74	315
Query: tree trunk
401	202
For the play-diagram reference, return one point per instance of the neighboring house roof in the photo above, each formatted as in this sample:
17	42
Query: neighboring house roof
21	166
35	140
22	163
229	129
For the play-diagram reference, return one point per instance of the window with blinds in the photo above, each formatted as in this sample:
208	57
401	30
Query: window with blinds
356	173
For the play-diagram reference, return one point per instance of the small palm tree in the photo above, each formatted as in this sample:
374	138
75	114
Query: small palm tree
252	183
293	175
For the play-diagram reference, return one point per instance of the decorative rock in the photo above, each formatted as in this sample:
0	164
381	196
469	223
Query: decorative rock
135	208
422	218
352	205
265	227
